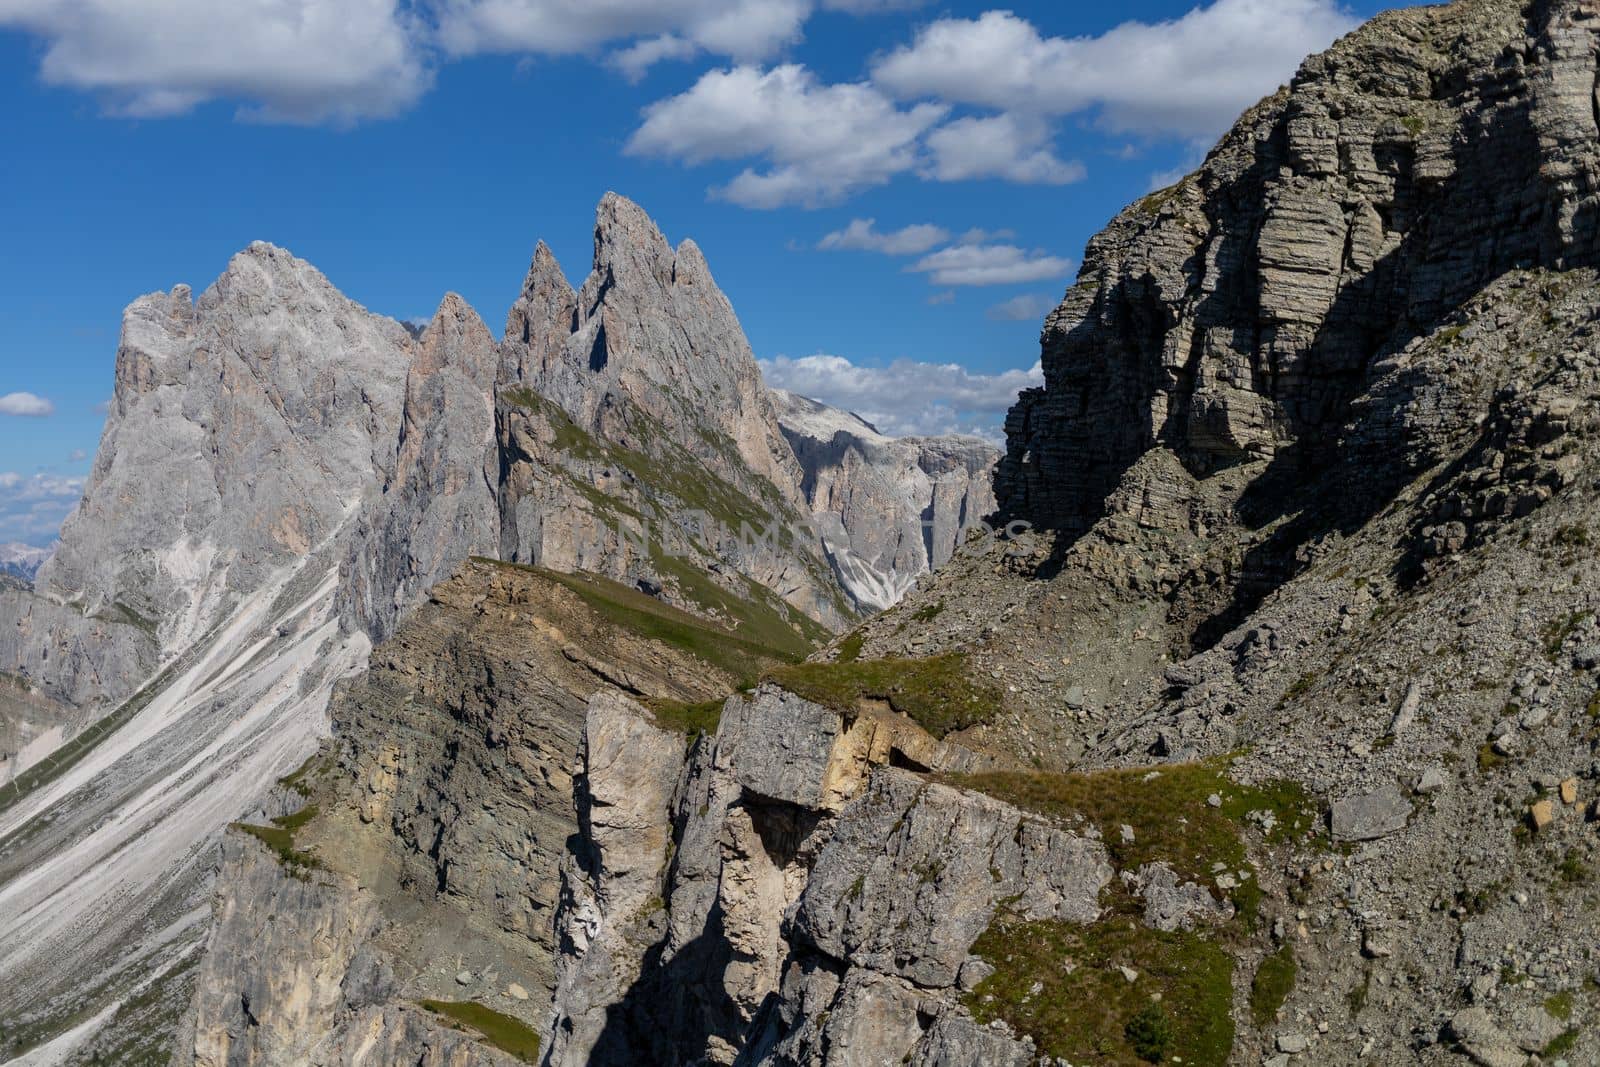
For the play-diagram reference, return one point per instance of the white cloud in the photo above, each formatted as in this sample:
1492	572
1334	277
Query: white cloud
862	236
981	264
1028	307
26	404
1000	146
977	236
1187	77
32	509
823	142
635	62
906	397
873	7
940	299
283	60
78	455
742	29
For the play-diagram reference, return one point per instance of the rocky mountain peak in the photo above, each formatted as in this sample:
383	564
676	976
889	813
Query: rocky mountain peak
457	335
629	248
648	332
540	322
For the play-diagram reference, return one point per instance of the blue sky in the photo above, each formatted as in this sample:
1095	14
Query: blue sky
415	149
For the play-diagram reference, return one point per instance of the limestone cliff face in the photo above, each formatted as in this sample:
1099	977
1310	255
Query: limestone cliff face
1236	314
425	862
793	918
889	509
439	505
244	430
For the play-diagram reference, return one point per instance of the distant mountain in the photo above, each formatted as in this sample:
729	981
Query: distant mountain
889	509
22	561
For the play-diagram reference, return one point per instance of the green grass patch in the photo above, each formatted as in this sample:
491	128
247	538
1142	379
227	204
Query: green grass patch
279	838
1572	870
664	467
1273	983
1168	809
511	1036
1557	632
299	782
1151	205
1560	1006
939	692
1301	687
122	614
929	613
691	720
1089	1012
737	654
850	649
1561	1045
759	615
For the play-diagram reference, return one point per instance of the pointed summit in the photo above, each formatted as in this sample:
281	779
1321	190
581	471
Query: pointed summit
629	248
648	328
540	321
457	337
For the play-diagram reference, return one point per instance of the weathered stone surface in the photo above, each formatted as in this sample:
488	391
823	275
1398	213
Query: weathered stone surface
1231	315
440	506
1371	815
914	872
630	773
956	1041
271	984
1173	904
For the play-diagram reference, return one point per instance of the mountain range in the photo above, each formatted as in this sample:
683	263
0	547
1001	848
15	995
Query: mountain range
570	698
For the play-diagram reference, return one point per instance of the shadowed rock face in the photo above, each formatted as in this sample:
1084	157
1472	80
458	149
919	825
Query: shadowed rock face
1235	314
889	509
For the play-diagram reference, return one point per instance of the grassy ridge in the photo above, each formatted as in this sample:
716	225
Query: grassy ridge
509	1035
743	655
939	693
1178	1005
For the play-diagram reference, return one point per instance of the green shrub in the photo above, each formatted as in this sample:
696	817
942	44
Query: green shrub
1150	1034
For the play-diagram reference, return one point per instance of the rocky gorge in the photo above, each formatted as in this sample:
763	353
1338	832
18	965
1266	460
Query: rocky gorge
1267	736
